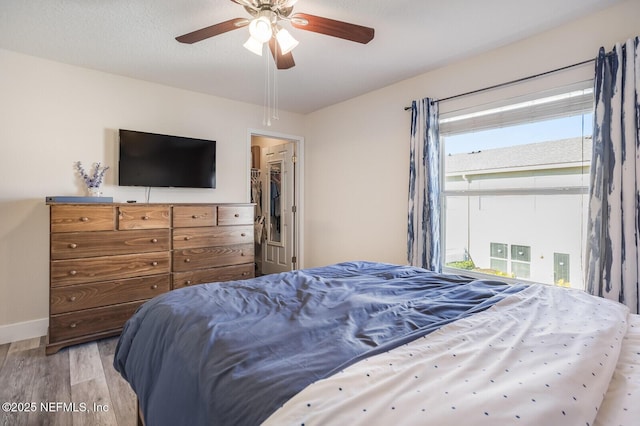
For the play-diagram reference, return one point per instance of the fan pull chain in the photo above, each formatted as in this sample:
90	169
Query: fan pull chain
271	103
266	118
275	114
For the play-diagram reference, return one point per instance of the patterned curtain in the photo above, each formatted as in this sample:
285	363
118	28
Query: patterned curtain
612	258
423	239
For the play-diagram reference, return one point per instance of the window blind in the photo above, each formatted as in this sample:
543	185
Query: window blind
560	102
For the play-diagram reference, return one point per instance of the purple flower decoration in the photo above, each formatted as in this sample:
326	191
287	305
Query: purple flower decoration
93	180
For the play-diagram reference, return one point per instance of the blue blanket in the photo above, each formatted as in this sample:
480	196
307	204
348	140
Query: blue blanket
232	353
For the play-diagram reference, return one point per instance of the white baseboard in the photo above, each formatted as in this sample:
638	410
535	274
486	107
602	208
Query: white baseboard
23	330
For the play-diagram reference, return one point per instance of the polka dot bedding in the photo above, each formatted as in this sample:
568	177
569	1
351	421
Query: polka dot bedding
621	405
543	356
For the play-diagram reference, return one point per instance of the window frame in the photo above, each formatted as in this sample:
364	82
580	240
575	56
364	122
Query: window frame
446	193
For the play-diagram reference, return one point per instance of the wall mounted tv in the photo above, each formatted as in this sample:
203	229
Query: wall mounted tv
149	159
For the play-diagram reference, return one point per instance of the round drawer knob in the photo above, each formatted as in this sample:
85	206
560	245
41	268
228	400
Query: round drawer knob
155	240
187	260
84	219
73	245
155	286
241	253
188	282
72	272
154	263
73	325
187	238
244	274
236	215
195	216
243	235
145	217
72	299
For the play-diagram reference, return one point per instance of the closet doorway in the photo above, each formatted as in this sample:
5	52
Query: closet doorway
276	188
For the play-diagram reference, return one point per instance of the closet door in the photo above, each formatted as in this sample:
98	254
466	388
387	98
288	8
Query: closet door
278	208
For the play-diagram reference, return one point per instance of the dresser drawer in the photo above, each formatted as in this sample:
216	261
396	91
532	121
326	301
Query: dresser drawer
235	215
216	236
89	321
209	257
71	245
143	217
224	273
105	268
191	216
72	218
86	296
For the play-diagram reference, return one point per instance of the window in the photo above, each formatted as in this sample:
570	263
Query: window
498	259
561	269
520	261
520	257
515	186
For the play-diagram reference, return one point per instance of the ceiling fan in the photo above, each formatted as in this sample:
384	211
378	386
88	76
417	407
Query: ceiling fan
264	27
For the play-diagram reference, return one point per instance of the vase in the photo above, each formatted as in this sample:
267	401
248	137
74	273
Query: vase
93	191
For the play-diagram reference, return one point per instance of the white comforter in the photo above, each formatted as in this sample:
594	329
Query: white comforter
544	356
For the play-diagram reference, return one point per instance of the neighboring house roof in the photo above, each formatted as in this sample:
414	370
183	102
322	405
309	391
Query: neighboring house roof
573	152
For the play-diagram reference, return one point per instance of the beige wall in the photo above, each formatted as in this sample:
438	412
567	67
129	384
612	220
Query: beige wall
357	152
52	115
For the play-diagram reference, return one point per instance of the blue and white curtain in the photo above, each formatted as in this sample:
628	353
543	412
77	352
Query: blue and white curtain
613	245
423	239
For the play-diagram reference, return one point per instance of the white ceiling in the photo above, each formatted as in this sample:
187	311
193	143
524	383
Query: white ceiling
136	38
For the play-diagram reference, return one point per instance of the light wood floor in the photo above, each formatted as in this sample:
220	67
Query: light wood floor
81	374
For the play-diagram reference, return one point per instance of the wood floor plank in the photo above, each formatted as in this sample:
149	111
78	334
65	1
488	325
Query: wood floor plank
122	396
18	379
94	393
24	345
51	388
89	387
84	363
3	353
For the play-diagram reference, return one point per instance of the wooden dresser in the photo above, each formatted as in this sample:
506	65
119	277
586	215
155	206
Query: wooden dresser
108	259
212	243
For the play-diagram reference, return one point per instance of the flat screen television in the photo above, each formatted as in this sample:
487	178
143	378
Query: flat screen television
150	159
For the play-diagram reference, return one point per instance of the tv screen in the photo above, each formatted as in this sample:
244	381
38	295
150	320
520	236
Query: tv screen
149	159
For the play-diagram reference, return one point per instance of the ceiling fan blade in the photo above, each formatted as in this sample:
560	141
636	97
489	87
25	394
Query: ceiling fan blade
334	28
283	62
213	30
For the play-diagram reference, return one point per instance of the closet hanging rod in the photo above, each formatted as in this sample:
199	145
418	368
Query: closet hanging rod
519	80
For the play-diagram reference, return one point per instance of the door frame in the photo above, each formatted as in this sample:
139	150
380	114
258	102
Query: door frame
299	186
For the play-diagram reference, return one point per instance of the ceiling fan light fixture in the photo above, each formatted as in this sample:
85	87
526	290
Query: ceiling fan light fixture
260	28
253	45
264	27
286	41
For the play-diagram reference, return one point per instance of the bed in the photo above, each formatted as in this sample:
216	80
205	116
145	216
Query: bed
373	343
